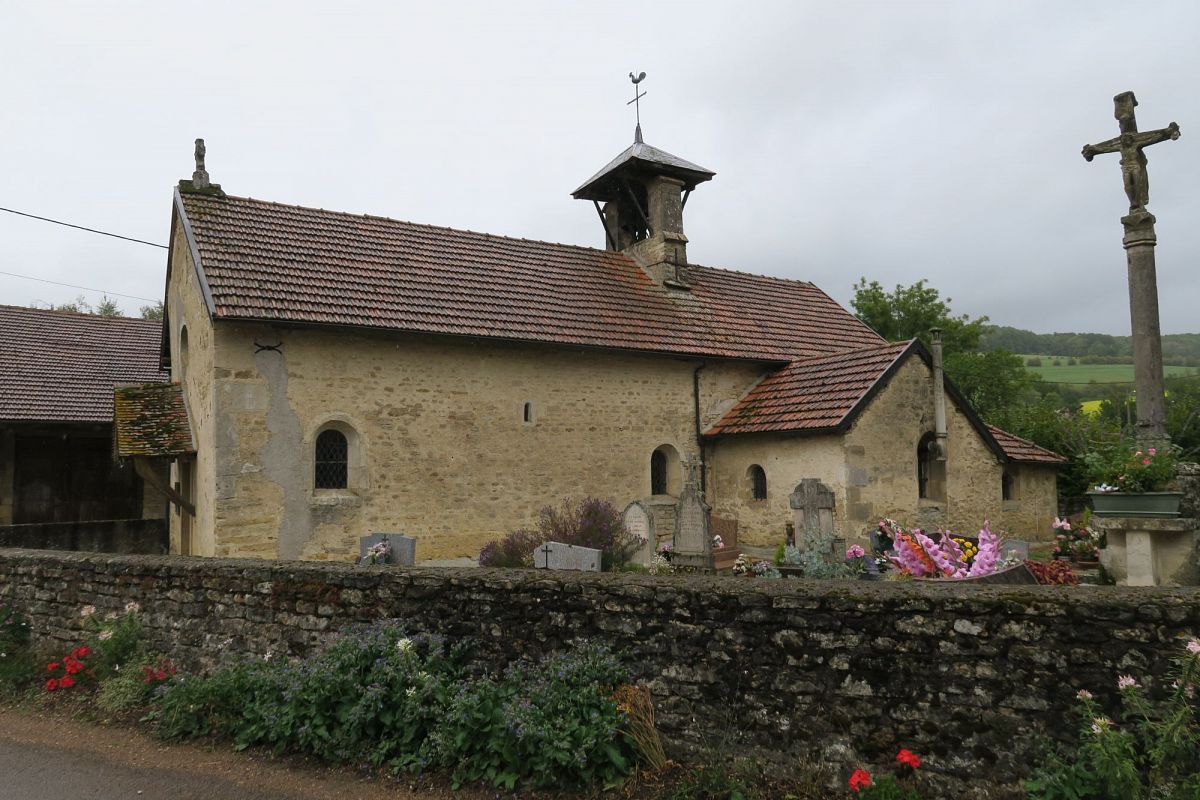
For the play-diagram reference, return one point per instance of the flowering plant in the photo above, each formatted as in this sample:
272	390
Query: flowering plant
717	542
69	670
1077	542
1126	467
1152	749
888	787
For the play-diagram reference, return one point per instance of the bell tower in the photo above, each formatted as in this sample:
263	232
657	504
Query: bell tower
640	196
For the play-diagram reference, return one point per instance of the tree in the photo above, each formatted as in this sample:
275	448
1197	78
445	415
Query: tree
79	305
108	307
152	312
992	382
911	311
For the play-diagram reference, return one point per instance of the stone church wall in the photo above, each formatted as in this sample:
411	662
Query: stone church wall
439	446
969	677
185	307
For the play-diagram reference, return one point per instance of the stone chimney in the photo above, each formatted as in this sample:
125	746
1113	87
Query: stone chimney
939	396
644	191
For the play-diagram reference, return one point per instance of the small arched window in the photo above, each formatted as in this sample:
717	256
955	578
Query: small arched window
183	354
658	472
758	482
931	473
332	460
1008	486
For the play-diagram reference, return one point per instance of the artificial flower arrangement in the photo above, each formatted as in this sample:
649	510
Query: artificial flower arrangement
378	553
920	556
1126	467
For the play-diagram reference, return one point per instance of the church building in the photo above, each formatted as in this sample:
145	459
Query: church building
345	374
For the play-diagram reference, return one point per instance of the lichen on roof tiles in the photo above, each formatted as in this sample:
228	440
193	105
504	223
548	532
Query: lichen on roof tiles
151	420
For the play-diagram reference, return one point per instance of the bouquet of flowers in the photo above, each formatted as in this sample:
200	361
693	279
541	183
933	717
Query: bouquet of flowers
1126	467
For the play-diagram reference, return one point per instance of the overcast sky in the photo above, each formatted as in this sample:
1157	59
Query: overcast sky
891	140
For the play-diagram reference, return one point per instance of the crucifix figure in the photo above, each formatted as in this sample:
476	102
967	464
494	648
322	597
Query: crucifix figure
1130	145
1139	242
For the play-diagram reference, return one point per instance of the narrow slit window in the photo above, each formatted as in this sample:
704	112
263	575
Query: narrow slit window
527	412
332	460
658	472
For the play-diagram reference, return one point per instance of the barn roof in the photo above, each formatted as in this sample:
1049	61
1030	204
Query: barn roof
60	366
151	419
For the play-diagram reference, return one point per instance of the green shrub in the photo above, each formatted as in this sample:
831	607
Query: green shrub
18	664
115	639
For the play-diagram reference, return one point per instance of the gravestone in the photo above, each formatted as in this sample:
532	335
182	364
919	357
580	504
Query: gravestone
404	548
692	550
812	508
640	525
556	555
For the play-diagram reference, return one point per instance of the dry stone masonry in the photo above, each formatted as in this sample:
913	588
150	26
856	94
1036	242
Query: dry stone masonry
968	676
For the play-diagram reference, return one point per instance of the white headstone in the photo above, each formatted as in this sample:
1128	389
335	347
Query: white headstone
556	555
640	525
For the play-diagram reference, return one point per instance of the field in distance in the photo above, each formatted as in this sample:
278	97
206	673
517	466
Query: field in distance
1083	374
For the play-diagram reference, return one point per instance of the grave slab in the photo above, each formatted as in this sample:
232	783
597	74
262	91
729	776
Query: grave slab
557	555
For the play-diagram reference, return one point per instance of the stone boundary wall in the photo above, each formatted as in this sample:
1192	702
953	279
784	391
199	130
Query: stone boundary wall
970	677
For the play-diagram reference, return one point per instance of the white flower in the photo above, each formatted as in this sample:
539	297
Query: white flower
87	611
1101	724
105	636
1126	682
110	616
3	655
132	607
404	645
268	656
1193	646
412	690
1084	694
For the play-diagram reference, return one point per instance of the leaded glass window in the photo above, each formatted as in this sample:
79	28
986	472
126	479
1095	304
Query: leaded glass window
332	459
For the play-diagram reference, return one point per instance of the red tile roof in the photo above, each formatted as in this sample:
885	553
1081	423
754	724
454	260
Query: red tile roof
58	366
816	394
271	262
1023	450
151	419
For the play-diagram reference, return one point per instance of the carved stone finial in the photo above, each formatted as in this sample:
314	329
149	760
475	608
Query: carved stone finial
200	176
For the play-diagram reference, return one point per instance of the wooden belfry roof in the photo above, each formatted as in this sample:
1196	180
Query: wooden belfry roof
279	263
60	366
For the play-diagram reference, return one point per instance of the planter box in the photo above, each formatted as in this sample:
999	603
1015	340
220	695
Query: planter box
1128	504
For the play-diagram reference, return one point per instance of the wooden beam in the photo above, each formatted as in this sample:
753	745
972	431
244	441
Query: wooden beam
146	471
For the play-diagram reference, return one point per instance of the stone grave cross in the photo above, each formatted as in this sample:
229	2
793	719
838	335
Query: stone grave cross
1139	241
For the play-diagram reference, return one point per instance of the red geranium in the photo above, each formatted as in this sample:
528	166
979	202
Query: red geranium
66	682
51	685
908	758
859	779
53	665
81	652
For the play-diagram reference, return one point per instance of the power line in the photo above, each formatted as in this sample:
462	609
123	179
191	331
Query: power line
76	286
82	228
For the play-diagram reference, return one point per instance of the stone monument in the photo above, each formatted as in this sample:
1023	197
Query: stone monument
812	509
1139	243
692	551
557	555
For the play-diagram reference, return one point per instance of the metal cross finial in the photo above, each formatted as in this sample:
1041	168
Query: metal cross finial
637	96
1130	145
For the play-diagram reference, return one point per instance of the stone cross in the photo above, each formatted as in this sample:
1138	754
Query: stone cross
200	176
1139	242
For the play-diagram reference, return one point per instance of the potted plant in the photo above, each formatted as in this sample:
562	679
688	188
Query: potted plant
1131	481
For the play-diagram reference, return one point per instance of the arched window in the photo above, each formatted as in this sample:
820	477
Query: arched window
1008	486
665	473
931	473
757	477
658	472
332	460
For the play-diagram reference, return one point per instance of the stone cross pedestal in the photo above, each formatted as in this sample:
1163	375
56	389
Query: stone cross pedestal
1139	244
812	508
1148	551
